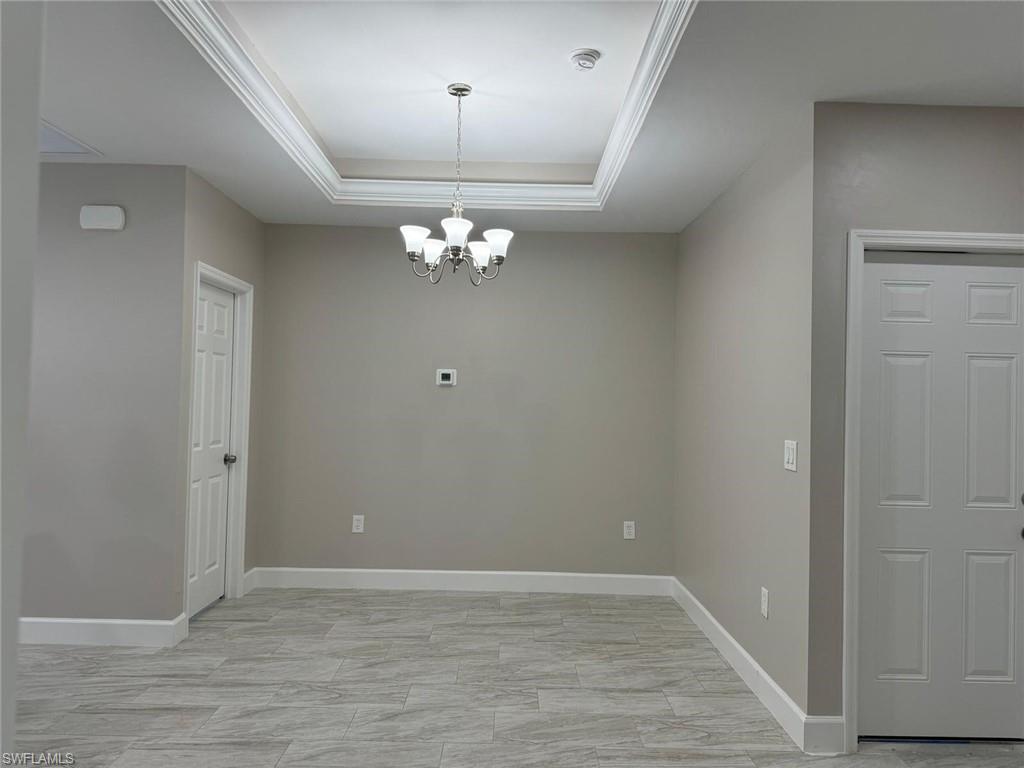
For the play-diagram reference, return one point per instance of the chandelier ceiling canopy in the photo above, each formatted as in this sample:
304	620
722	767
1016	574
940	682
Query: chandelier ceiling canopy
484	257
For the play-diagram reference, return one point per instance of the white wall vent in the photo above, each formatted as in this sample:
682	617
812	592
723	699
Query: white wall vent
101	217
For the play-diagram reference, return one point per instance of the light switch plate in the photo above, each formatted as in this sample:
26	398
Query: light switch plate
764	603
446	377
629	529
789	455
358	524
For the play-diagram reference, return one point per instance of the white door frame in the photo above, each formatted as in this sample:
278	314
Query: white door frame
861	240
241	379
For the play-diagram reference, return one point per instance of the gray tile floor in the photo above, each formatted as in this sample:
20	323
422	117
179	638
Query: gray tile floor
374	679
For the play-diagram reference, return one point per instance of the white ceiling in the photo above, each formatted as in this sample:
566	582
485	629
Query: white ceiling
121	78
371	76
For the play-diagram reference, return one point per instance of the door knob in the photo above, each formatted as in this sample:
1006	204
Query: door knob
230	458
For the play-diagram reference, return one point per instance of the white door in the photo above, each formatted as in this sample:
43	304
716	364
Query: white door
211	429
941	571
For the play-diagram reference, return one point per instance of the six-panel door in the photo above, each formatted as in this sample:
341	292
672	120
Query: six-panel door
941	515
211	429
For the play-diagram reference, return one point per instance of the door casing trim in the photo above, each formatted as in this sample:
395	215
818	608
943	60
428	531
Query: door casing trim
859	241
241	385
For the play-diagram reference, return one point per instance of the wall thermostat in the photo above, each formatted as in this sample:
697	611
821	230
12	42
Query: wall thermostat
446	377
101	217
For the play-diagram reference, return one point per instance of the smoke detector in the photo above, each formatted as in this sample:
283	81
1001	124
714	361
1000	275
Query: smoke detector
584	59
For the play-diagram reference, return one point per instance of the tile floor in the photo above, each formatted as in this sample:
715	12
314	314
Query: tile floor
375	679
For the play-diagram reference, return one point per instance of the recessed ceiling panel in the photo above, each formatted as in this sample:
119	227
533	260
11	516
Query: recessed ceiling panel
371	76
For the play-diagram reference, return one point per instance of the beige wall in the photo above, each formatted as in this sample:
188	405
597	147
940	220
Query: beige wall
20	43
597	371
559	429
884	167
111	372
221	234
101	540
743	386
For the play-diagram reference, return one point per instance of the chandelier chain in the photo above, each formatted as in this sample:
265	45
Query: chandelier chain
457	200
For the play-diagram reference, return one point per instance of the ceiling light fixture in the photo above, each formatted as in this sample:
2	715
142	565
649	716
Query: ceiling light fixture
486	256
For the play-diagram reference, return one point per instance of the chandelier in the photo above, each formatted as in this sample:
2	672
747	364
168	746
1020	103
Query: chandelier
485	256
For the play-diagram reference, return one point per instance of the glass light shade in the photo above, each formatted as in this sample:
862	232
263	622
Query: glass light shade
432	250
498	240
481	253
414	237
456	231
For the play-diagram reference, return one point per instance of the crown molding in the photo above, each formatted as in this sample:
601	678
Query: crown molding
215	39
667	30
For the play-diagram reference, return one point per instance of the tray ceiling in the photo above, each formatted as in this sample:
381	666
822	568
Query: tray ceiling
354	91
122	78
371	77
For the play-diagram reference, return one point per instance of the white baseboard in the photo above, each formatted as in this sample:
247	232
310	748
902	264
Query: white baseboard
142	632
824	735
473	581
814	734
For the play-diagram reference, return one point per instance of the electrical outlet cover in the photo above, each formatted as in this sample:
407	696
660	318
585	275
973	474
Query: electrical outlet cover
629	529
764	603
358	523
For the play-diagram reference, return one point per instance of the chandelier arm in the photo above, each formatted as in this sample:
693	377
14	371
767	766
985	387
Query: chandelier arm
497	268
417	272
478	279
440	271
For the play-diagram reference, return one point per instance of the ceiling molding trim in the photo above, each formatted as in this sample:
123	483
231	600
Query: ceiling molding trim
206	30
670	23
203	26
